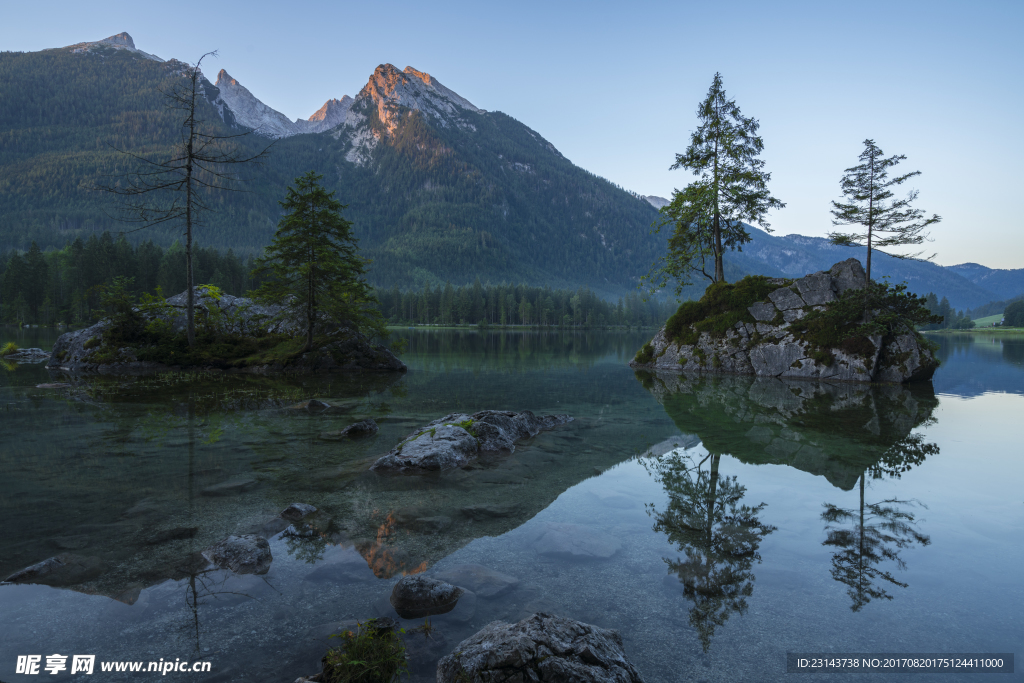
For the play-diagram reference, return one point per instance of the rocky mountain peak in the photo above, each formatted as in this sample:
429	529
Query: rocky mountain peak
118	41
389	88
224	79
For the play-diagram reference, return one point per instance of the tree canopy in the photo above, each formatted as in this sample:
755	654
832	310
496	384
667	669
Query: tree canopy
886	222
313	266
732	187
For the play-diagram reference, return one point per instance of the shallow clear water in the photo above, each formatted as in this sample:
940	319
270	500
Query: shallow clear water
717	523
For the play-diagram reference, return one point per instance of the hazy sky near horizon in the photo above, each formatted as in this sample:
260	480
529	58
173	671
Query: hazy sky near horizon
615	87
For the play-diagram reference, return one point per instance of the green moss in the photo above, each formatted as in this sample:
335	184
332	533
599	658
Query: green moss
366	655
722	306
92	343
645	355
716	361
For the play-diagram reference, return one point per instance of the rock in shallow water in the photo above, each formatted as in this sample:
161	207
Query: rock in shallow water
455	439
417	596
60	570
485	582
297	511
246	554
539	648
574	542
358	430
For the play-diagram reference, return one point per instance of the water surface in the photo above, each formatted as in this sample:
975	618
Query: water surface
717	522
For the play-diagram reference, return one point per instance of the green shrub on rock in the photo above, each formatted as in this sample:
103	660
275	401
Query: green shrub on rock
373	653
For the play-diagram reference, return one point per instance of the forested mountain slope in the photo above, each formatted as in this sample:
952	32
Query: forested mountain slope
437	188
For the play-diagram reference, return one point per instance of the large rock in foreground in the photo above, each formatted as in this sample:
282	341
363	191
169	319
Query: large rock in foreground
88	350
455	439
767	339
539	648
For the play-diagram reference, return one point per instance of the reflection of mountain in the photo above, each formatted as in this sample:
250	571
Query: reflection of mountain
833	430
404	524
719	536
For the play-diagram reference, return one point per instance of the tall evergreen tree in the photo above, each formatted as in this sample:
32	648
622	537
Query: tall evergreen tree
312	265
886	222
732	187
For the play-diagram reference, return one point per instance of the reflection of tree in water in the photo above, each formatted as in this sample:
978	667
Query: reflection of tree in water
877	531
719	536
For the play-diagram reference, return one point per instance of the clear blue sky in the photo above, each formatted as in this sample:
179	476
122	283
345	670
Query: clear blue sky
614	86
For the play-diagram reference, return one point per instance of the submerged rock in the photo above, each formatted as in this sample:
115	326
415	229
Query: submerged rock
487	583
60	570
574	542
455	439
358	430
417	596
297	511
765	343
176	534
246	554
539	648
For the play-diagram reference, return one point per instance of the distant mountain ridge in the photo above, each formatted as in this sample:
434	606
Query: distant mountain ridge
966	285
438	188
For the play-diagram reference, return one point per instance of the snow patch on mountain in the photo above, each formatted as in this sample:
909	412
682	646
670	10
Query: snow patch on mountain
119	41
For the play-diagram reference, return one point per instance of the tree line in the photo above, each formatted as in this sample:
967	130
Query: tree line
66	286
951	319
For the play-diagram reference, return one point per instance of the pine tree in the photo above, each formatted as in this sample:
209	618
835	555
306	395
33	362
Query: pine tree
886	223
312	265
732	187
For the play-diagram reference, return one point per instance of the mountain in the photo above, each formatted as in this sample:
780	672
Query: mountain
966	285
437	188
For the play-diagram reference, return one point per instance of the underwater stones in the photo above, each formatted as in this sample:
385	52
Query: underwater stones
486	583
297	511
573	542
176	534
417	596
230	487
541	647
455	439
484	511
60	570
245	554
358	430
763	312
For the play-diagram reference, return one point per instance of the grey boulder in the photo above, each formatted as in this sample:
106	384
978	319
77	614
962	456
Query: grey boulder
297	511
246	554
539	648
455	439
417	596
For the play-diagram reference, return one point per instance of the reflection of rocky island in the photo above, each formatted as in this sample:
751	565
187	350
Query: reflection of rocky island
719	536
844	432
835	430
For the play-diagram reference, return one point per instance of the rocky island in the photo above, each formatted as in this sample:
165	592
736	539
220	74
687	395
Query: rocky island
827	325
234	333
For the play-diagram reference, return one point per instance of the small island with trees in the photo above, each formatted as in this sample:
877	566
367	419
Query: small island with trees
837	324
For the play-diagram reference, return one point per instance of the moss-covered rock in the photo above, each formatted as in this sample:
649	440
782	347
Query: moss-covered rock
813	327
232	333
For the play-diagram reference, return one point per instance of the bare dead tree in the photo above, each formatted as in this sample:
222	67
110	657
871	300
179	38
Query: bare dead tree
177	189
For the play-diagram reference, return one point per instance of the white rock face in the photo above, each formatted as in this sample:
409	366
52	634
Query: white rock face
656	202
120	41
267	121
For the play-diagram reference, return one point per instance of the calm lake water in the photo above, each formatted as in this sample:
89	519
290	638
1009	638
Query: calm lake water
717	523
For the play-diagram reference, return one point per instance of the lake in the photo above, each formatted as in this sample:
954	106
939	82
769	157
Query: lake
717	523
